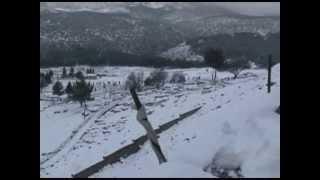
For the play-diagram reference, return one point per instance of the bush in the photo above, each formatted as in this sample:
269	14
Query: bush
178	77
157	78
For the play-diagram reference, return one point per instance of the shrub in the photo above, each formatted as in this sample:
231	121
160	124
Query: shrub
157	78
178	77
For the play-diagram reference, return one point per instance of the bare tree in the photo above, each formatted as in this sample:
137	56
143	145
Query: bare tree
236	65
136	80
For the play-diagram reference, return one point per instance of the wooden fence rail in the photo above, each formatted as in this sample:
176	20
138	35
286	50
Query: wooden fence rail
129	149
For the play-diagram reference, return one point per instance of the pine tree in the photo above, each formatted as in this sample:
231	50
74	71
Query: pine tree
50	73
81	91
71	73
47	78
43	82
68	89
57	88
64	72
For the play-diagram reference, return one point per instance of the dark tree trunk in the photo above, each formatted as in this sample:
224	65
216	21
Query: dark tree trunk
84	111
215	75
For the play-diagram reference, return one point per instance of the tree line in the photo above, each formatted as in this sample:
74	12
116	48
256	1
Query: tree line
57	56
78	91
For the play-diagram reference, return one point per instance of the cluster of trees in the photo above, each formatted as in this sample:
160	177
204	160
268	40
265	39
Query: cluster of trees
78	91
90	71
65	74
79	75
45	79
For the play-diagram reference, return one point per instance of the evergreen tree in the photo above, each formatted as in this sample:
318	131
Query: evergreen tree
47	78
71	73
57	88
64	72
68	89
43	82
50	73
81	91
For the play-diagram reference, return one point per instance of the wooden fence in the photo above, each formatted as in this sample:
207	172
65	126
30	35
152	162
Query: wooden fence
129	149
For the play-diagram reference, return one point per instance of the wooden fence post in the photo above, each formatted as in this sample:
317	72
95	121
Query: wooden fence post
143	120
269	73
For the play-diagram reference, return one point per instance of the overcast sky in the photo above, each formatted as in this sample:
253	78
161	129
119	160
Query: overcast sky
253	8
249	8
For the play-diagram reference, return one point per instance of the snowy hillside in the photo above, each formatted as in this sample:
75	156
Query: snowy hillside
243	132
235	128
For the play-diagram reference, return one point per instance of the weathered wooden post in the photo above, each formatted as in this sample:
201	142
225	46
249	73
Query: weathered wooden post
269	73
278	110
143	120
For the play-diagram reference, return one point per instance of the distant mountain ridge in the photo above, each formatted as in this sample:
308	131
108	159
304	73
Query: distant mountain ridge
143	28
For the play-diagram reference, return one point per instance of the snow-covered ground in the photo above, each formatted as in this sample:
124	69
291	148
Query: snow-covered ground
236	126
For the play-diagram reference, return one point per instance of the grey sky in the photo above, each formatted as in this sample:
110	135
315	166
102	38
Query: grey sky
253	8
249	8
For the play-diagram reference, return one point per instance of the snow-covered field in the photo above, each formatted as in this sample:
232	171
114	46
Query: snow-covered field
236	126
